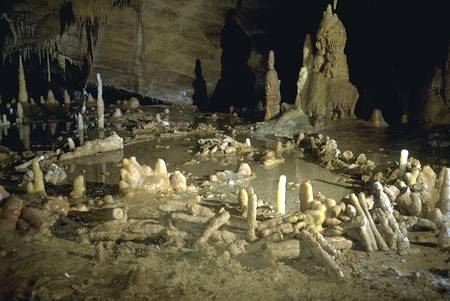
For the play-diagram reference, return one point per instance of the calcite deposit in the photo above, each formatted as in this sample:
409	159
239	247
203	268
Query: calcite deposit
272	89
324	89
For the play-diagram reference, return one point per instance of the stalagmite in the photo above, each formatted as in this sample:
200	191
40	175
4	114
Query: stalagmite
37	185
51	98
100	256
80	123
251	218
403	161
66	98
100	104
281	195
243	201
23	94
305	195
272	89
245	170
71	143
444	197
20	118
377	119
79	187
178	181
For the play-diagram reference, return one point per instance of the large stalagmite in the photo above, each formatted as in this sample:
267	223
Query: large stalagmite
324	89
272	89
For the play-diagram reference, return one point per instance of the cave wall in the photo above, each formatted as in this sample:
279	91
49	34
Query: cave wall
151	48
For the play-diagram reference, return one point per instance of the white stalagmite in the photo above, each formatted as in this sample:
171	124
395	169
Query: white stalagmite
247	142
19	112
100	103
80	122
281	195
23	95
403	161
71	143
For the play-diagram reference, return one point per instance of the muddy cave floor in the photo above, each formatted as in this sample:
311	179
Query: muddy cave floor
58	267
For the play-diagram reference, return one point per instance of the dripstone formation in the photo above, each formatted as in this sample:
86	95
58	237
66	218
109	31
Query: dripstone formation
272	89
324	89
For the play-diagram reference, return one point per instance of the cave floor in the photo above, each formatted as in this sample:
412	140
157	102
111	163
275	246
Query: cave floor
62	266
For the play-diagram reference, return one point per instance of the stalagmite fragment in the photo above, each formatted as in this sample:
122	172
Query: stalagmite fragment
214	224
403	161
321	256
274	251
37	185
178	181
272	89
100	104
365	230
100	254
378	238
444	197
33	219
100	215
245	170
281	195
251	218
194	209
23	94
111	143
9	214
79	187
306	195
243	201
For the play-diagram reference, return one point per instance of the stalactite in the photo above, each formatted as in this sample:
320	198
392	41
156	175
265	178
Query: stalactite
23	95
49	73
138	58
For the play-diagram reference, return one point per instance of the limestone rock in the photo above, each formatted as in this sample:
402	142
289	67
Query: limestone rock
272	89
324	89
